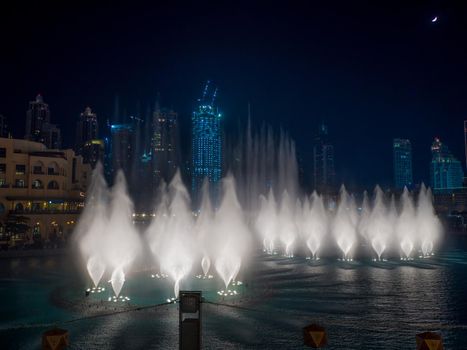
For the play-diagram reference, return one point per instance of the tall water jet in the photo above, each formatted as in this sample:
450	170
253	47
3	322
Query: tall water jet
91	229
406	228
156	234
380	227
344	225
122	241
287	226
203	229
175	247
117	280
428	224
233	237
266	222
365	213
315	224
96	269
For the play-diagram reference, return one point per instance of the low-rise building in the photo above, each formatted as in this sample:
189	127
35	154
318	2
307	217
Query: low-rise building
41	190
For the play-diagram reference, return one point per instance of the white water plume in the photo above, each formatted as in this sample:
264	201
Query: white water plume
287	223
117	280
204	231
364	217
344	225
314	223
91	229
122	241
266	221
406	226
380	226
429	227
173	243
96	269
233	236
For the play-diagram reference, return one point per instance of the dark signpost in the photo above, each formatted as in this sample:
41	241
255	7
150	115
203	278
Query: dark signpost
190	320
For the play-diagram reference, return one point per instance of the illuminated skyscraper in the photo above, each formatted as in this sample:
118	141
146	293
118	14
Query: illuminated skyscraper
402	157
164	145
51	136
38	126
87	138
445	171
206	148
37	115
87	128
122	147
323	162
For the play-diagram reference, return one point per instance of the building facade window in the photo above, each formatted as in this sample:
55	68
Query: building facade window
2	168
19	183
53	185
37	184
52	169
2	152
38	168
20	169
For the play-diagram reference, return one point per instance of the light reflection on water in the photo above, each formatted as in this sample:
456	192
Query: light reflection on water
363	305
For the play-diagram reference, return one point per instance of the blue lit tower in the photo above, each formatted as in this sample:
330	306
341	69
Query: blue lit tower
206	147
323	162
402	161
445	170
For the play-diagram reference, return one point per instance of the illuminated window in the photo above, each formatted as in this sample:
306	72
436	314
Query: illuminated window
37	184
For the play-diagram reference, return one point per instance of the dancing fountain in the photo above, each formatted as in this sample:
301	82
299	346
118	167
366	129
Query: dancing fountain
261	197
344	224
171	237
314	223
380	226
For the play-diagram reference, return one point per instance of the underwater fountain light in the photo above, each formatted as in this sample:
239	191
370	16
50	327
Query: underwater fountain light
120	298
94	290
227	293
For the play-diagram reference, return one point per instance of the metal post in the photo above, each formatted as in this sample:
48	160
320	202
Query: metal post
190	320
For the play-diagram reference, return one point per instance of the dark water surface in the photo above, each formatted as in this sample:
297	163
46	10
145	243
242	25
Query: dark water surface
363	305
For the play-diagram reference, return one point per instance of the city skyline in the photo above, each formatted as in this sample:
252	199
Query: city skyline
90	143
305	71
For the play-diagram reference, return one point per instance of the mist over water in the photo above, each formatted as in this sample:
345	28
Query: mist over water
261	207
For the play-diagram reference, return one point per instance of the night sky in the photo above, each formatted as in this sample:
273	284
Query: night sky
371	72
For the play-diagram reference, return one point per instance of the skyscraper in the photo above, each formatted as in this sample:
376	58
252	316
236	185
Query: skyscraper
164	144
51	136
445	171
87	141
323	162
38	125
122	147
402	162
37	114
206	148
87	129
